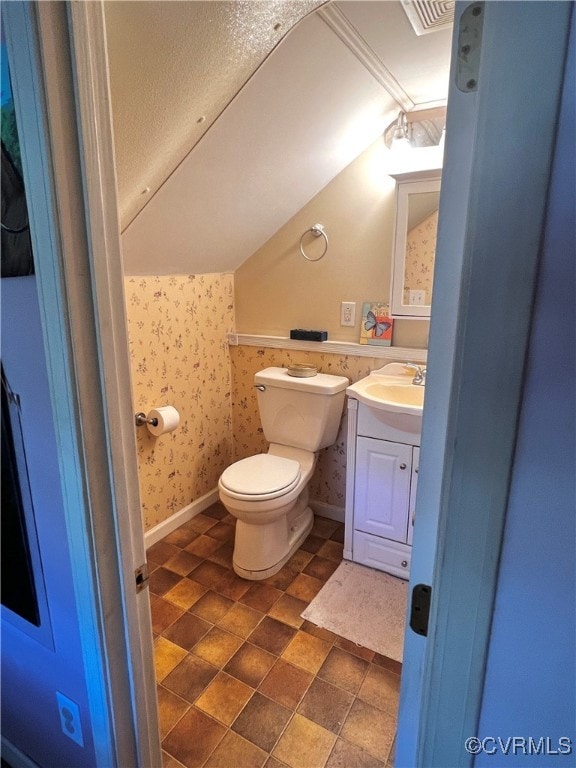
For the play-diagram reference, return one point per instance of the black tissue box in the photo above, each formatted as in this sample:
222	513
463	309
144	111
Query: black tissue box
302	335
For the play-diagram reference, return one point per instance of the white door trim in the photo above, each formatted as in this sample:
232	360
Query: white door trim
506	192
69	172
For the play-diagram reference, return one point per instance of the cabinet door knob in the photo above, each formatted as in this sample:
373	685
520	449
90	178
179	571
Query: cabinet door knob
402	466
404	563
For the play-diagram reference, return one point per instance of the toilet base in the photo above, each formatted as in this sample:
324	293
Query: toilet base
266	548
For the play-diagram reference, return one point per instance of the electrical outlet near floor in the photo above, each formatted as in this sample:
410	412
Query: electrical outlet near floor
348	313
69	718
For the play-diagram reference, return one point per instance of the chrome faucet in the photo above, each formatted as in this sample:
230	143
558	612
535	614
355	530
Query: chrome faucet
419	375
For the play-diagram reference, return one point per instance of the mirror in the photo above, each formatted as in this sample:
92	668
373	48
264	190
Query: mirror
417	201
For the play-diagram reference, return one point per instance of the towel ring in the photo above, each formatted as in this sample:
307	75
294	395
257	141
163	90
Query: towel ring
318	231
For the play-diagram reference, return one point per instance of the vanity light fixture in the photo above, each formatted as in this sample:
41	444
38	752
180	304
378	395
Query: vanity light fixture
400	135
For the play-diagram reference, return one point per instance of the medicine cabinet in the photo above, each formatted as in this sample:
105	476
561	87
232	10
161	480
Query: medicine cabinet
417	202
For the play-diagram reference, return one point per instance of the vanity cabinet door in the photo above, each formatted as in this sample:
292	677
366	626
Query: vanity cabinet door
413	484
382	488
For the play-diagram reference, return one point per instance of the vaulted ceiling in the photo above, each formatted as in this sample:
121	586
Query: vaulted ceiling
229	116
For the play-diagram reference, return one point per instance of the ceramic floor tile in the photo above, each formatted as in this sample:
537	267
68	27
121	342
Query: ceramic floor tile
182	563
262	721
306	651
232	586
222	532
216	511
250	664
326	705
272	635
245	681
286	683
212	607
235	752
217	646
161	551
241	620
305	587
181	537
209	574
163	614
187	631
170	762
170	710
391	664
203	546
345	755
167	655
370	729
319	568
194	738
332	550
381	688
344	670
324	528
161	580
323	634
288	609
354	649
190	677
185	593
313	543
224	698
201	522
261	597
304	743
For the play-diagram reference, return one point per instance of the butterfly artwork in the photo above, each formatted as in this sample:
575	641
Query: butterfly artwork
376	325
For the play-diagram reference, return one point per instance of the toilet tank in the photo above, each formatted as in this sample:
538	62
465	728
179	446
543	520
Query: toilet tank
300	412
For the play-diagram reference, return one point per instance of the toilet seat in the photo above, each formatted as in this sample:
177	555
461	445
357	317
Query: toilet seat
260	477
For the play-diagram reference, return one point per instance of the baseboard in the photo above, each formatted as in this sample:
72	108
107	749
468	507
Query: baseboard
179	518
322	509
15	757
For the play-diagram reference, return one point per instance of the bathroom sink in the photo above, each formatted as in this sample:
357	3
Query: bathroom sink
390	389
383	394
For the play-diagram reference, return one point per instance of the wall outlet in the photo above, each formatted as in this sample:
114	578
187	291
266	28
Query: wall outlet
417	298
69	718
348	313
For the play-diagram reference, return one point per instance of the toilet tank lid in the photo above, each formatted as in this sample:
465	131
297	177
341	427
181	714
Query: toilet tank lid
321	384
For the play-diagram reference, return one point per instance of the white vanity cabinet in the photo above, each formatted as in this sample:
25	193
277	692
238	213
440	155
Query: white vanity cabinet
381	478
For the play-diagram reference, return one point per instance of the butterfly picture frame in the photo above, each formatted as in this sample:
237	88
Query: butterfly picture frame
377	325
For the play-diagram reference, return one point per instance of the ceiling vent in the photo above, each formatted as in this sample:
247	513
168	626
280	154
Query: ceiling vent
429	15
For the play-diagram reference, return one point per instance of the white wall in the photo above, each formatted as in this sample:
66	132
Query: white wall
34	668
530	677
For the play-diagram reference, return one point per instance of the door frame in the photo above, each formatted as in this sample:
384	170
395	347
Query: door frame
81	298
58	65
498	159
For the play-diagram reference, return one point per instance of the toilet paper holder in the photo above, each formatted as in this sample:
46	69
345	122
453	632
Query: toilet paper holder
142	419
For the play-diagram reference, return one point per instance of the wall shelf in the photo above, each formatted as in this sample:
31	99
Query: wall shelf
331	347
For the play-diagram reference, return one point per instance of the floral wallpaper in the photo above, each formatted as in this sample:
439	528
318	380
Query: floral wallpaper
419	264
177	328
328	484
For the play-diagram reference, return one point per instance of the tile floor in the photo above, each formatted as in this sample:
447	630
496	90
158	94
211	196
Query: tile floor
243	680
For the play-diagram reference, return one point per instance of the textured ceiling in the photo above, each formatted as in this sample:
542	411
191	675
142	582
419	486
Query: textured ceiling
230	116
174	66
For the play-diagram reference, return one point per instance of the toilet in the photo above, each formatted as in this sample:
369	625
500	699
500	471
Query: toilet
268	493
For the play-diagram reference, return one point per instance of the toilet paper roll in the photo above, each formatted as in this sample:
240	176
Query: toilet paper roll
168	419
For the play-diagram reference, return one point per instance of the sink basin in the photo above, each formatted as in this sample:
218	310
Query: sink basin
395	394
390	389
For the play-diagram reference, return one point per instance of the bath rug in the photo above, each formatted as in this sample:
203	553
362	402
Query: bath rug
363	605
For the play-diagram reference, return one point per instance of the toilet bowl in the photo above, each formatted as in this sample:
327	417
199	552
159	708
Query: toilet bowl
268	493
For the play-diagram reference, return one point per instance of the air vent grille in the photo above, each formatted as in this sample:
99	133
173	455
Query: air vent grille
429	15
